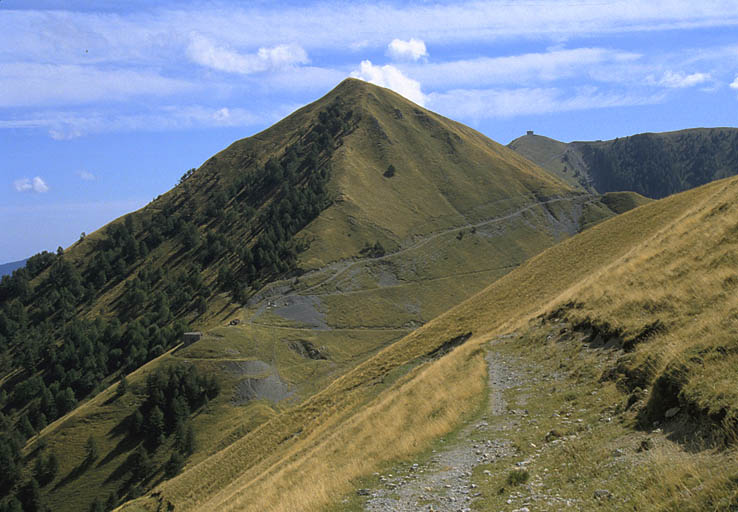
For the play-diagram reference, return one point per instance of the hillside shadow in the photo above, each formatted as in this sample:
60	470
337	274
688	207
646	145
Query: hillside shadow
119	472
112	399
73	475
125	444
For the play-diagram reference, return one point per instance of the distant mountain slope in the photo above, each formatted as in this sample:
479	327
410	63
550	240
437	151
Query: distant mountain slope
643	285
299	252
652	164
7	268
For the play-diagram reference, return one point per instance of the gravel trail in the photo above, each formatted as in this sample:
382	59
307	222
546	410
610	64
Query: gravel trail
443	484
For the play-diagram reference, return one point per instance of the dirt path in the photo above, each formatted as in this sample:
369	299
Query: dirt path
304	304
338	268
429	238
443	483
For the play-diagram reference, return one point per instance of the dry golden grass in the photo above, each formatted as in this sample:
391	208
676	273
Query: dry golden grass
319	469
672	479
685	278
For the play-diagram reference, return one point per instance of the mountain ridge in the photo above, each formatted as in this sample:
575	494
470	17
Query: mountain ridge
299	253
538	287
652	164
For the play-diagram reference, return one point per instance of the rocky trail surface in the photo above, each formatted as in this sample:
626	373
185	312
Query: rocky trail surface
552	436
485	450
443	483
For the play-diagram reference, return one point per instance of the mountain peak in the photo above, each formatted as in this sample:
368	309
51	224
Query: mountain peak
354	90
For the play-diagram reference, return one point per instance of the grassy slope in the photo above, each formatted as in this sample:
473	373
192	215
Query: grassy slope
447	175
683	283
252	473
621	202
652	332
460	212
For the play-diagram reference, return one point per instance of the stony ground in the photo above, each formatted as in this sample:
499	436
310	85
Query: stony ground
550	438
443	483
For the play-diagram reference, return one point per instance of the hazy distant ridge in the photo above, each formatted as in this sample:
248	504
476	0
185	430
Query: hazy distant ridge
7	268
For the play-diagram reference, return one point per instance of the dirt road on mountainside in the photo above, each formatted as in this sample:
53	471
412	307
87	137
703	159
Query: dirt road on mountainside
337	269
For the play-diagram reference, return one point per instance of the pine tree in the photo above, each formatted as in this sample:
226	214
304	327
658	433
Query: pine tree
31	497
96	506
122	386
156	426
51	468
91	452
136	422
189	441
174	465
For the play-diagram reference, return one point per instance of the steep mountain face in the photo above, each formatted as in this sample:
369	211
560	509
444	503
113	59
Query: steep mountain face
652	164
300	252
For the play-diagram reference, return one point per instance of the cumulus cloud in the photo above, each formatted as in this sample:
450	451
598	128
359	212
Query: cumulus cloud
734	85
676	80
39	185
392	78
36	184
413	49
22	185
204	52
86	175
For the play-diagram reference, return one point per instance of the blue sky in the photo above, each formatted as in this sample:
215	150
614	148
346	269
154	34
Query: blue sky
105	104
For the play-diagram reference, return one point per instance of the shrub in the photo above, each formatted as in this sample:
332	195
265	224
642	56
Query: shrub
518	476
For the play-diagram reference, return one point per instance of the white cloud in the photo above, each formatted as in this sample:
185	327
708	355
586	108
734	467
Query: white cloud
36	184
413	49
734	84
476	104
392	78
156	36
39	185
22	185
204	52
283	55
63	125
27	84
86	175
517	69
678	80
